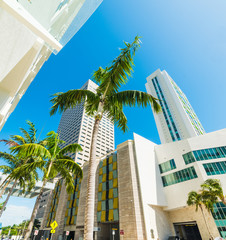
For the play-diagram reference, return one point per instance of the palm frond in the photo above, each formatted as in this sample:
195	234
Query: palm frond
17	138
6	169
70	165
9	142
121	68
32	131
133	97
26	169
98	75
26	135
9	158
32	149
68	178
72	148
63	101
116	115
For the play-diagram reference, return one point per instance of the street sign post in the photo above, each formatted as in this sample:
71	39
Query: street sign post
36	232
67	233
53	225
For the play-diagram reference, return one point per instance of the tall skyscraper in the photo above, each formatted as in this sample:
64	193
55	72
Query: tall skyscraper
77	127
177	120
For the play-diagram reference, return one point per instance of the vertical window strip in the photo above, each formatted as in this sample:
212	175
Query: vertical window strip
164	111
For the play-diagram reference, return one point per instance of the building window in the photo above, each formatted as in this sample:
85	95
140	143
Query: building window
167	166
188	158
180	176
205	154
219	215
215	168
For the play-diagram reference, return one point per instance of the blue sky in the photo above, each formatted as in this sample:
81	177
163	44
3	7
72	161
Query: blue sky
186	38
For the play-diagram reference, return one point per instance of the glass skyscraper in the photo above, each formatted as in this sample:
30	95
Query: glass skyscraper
177	120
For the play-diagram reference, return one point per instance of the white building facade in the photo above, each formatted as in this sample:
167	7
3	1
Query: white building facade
30	31
77	127
177	120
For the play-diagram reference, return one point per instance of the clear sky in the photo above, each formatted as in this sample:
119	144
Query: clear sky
186	38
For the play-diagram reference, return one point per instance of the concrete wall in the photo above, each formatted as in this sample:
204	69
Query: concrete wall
189	214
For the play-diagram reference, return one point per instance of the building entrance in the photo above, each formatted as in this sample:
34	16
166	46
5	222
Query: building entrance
108	231
187	231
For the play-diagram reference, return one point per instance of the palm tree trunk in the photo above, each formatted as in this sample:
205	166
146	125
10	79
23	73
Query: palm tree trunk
34	212
211	237
35	209
4	188
7	199
90	197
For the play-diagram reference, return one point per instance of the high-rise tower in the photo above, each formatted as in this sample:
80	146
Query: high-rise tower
77	127
177	120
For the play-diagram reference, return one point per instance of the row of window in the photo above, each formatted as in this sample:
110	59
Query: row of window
205	154
215	168
167	166
179	176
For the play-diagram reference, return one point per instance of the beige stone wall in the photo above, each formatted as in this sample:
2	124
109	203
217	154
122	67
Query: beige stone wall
130	211
189	214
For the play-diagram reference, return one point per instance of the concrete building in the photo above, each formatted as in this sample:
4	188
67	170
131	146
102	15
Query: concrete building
178	119
30	31
77	127
142	189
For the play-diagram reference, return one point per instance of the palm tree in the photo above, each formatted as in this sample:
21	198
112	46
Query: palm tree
109	101
16	140
26	181
52	161
197	200
212	189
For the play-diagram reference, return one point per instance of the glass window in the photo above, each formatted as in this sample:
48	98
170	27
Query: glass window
215	168
179	176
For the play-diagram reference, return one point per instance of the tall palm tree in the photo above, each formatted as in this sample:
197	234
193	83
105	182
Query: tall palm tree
16	140
26	181
212	188
107	100
52	161
196	199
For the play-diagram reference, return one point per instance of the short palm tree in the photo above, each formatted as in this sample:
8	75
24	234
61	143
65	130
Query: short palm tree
52	160
109	101
212	188
26	181
16	140
197	200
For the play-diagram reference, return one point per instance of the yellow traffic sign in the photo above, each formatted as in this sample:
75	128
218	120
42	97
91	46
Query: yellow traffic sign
53	225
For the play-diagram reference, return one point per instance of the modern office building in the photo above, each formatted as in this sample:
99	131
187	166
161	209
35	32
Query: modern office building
77	127
30	31
177	120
